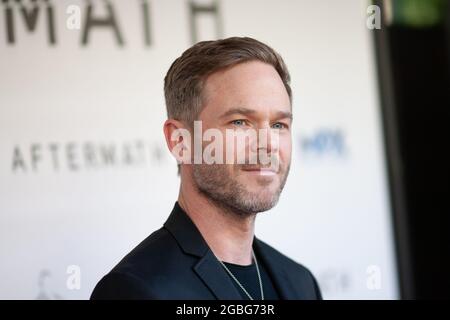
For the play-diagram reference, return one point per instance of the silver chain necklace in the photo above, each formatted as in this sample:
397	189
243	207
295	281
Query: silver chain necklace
239	284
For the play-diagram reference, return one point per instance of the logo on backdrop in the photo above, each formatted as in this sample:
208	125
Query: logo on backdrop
86	19
324	143
76	156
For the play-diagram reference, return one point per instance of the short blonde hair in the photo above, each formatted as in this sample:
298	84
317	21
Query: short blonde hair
184	81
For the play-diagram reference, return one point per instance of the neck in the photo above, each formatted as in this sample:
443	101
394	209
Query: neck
228	235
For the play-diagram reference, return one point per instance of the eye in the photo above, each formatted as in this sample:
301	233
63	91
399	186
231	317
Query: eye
239	122
278	125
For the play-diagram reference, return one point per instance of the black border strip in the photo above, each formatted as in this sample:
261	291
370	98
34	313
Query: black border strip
393	159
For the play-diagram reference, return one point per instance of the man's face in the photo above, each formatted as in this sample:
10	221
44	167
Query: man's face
249	95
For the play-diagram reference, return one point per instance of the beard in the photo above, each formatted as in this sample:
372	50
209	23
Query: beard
225	191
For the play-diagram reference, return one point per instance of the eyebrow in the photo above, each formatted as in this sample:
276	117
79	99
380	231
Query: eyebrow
284	114
241	110
247	111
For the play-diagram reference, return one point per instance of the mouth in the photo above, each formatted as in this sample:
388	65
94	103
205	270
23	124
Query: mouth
260	171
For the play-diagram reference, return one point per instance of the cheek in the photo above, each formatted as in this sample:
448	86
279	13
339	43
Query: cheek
285	148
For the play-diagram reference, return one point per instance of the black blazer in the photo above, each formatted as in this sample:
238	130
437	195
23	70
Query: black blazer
175	262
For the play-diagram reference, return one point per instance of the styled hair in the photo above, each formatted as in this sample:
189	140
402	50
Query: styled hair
183	83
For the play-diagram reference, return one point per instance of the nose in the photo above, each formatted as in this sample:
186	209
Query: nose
266	144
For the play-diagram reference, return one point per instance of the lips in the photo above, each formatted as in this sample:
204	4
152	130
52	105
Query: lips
260	170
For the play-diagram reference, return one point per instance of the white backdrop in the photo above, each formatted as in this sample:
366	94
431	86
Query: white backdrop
84	172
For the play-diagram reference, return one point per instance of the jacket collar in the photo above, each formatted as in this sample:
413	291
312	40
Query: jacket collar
208	268
185	232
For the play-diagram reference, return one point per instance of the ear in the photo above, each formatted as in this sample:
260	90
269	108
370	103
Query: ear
178	140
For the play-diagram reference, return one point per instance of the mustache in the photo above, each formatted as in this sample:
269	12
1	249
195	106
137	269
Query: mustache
252	167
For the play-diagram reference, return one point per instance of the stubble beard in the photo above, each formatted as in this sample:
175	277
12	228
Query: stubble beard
214	181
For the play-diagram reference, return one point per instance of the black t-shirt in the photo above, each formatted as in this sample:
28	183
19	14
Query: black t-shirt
248	277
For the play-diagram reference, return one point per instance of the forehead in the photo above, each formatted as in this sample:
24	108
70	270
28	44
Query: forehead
253	84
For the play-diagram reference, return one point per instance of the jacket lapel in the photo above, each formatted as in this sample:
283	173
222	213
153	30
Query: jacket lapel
276	271
208	267
215	278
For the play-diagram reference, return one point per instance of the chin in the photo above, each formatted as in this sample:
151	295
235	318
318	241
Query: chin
264	184
264	195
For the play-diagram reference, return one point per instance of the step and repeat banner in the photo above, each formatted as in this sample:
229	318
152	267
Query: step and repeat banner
84	171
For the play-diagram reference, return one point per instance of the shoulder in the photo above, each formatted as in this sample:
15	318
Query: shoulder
141	273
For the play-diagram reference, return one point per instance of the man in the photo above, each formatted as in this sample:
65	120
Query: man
207	248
